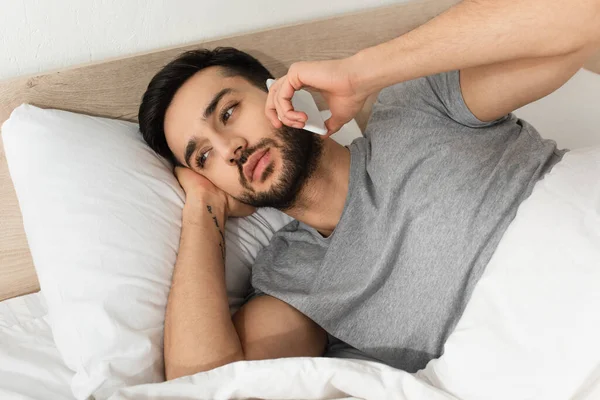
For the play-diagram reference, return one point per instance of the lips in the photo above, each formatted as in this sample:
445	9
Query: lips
250	165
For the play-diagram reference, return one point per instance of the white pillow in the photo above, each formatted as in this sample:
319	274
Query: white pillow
102	214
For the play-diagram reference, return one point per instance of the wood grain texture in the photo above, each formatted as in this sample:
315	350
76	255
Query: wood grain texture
17	275
114	89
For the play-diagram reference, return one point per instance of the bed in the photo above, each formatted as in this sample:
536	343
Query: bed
30	364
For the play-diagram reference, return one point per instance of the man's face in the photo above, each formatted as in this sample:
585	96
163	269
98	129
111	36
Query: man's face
216	126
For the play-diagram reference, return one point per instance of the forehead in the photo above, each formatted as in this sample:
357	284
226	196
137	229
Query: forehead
183	118
199	90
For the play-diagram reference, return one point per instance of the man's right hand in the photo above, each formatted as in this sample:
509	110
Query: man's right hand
200	191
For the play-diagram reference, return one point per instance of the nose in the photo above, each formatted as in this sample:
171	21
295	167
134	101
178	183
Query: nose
236	155
231	149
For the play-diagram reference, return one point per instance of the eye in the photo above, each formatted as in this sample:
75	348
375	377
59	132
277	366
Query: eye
201	158
226	114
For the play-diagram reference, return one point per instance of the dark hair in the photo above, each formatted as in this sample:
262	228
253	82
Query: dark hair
170	78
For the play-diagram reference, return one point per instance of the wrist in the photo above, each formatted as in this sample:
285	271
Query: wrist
379	66
364	72
198	210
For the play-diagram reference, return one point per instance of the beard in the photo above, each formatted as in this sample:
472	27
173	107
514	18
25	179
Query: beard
300	151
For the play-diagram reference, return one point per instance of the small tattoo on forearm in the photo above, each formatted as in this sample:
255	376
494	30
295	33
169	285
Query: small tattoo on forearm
222	251
222	243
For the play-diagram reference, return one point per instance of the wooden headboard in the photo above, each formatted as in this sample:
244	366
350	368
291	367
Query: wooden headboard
114	89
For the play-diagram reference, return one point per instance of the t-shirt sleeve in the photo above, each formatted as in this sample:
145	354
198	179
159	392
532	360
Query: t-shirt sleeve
254	293
437	95
446	87
338	349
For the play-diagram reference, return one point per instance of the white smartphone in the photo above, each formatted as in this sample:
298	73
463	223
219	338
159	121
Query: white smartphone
303	101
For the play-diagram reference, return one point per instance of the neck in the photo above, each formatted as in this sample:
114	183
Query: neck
321	201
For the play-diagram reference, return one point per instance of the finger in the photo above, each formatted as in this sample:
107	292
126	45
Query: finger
177	171
296	115
180	175
296	83
280	116
284	112
276	106
283	99
272	116
332	125
283	93
288	88
302	116
270	109
293	75
291	122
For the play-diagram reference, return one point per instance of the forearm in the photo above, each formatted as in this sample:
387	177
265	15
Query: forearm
199	333
481	32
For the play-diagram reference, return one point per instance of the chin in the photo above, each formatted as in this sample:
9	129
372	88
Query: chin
283	176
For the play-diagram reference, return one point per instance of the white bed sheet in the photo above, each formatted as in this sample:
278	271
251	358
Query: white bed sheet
301	378
30	365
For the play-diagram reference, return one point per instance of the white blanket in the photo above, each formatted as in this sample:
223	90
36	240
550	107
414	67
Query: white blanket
30	365
292	378
531	329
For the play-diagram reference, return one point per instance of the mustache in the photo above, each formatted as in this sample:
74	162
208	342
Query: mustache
246	155
251	150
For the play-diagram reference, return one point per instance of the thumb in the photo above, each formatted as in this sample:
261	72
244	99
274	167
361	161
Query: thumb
333	125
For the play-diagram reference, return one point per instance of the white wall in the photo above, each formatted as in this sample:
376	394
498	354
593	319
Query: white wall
40	35
570	115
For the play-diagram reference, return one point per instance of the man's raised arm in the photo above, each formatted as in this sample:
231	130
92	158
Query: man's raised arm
519	38
483	32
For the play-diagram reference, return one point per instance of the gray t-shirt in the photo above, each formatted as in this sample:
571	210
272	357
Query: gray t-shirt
432	190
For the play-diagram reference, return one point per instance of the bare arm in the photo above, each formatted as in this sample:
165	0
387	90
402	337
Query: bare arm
523	49
270	328
199	334
483	32
199	331
492	91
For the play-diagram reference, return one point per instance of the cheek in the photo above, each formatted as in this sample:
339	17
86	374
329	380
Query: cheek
255	125
227	179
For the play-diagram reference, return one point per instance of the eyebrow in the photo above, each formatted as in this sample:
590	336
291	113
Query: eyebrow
208	111
189	150
212	106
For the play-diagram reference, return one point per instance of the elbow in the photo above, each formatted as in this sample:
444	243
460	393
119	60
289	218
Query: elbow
177	371
174	372
183	366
